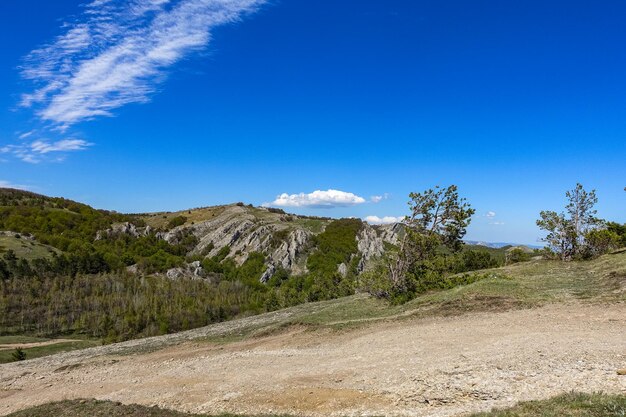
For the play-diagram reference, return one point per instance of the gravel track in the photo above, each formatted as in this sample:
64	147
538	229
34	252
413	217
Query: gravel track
439	366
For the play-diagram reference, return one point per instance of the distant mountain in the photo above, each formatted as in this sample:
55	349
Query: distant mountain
499	245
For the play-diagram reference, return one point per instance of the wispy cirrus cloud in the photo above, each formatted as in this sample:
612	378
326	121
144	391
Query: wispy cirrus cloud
35	151
26	135
118	52
318	199
65	145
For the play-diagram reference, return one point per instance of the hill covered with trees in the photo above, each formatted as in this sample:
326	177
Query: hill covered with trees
118	276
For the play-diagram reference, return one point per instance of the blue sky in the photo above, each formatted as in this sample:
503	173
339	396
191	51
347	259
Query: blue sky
150	105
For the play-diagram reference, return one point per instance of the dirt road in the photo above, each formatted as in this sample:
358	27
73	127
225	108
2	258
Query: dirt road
35	344
412	367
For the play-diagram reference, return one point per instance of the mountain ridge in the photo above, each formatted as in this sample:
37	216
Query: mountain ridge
233	231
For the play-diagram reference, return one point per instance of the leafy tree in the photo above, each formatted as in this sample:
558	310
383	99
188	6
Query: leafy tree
561	236
582	214
567	235
619	230
438	217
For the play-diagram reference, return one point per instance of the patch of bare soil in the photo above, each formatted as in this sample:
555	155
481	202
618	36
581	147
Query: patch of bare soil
444	366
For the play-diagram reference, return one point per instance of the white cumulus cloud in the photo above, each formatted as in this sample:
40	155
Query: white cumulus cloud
118	52
490	214
318	199
378	198
383	220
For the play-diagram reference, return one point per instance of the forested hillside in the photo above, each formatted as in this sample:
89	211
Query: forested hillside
118	276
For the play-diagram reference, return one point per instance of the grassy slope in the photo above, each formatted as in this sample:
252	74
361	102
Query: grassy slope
161	220
568	405
518	286
39	351
522	285
198	215
25	248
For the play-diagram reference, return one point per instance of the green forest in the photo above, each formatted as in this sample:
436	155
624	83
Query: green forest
84	286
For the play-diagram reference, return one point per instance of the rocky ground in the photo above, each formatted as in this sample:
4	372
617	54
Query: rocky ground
440	366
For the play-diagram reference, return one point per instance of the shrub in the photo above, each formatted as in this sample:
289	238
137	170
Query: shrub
276	210
375	281
18	355
176	221
516	255
599	242
473	260
620	230
278	237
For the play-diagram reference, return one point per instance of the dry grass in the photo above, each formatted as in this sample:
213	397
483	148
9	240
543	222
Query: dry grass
567	405
161	220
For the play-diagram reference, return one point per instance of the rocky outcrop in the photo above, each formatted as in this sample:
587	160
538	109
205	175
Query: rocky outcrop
288	253
191	270
371	242
391	233
124	229
285	245
231	228
290	250
370	245
269	273
232	234
281	238
244	233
